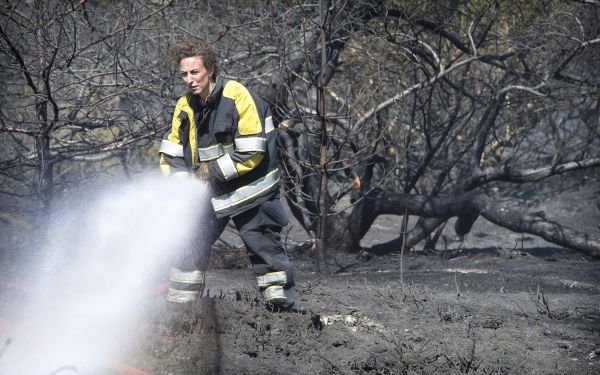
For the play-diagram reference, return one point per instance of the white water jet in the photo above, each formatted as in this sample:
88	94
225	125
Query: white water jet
100	266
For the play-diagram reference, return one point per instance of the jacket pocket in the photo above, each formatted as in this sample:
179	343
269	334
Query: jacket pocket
223	130
223	126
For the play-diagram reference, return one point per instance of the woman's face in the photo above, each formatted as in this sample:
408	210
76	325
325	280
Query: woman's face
196	76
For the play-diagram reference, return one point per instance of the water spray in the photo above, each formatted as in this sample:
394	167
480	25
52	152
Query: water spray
104	257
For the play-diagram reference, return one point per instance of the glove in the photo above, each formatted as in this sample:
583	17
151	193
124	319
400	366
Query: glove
202	172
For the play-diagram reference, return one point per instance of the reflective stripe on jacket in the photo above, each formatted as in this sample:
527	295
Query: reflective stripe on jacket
233	134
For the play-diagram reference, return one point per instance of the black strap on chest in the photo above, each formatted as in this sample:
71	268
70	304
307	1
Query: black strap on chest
184	137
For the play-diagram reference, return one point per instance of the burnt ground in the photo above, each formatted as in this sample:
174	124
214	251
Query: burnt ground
497	303
534	312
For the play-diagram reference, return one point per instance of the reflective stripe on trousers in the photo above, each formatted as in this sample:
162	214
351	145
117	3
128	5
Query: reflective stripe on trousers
272	278
182	296
274	293
186	286
271	285
186	277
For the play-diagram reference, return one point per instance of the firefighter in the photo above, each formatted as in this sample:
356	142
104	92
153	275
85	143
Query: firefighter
223	133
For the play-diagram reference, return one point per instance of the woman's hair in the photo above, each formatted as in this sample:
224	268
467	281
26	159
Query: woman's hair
184	48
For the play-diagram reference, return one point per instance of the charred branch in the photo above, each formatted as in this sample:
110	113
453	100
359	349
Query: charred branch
469	206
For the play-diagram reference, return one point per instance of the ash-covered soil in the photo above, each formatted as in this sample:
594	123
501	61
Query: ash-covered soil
531	311
496	303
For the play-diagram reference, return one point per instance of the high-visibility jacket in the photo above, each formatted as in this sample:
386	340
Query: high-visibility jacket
233	133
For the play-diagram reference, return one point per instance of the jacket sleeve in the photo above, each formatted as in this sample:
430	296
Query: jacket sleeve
251	120
172	148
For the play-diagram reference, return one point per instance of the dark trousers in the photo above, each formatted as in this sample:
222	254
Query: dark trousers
259	228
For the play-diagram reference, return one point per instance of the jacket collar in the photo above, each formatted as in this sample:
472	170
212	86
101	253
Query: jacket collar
214	96
213	99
